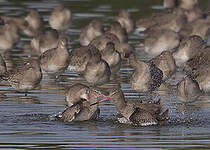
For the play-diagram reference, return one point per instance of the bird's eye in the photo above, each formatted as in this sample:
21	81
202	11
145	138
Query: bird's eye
96	91
87	91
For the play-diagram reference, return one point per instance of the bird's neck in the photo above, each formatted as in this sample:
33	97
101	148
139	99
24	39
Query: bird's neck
120	103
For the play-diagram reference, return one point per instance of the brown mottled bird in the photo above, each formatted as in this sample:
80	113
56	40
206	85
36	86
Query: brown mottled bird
29	25
174	21
60	18
116	29
24	77
8	35
188	48
91	31
125	20
79	98
100	43
3	67
188	89
97	70
145	77
79	57
56	60
166	63
112	57
137	112
161	40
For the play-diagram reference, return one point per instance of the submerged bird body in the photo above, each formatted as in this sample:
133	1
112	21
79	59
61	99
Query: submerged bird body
137	112
70	113
79	99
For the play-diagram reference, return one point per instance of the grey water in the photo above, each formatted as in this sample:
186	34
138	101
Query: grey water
27	122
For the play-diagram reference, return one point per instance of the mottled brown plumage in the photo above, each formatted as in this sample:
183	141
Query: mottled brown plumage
187	4
146	77
8	35
169	4
188	89
45	41
198	27
29	25
55	60
100	41
161	40
91	31
33	23
70	113
3	67
137	112
116	29
97	70
201	75
24	77
188	48
166	20
126	21
201	58
112	57
79	98
79	57
166	63
60	18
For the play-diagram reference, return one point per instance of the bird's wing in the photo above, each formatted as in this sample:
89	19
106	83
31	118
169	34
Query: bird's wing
70	113
141	117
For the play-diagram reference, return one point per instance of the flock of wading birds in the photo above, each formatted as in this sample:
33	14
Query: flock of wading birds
177	37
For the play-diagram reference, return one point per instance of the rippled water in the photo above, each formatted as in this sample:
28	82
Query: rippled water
28	123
